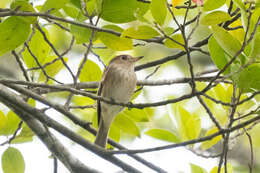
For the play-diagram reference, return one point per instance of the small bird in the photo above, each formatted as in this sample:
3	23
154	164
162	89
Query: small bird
118	83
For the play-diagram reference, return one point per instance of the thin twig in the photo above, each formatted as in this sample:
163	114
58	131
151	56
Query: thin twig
20	63
55	50
251	164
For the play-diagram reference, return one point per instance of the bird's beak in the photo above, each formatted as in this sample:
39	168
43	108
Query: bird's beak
138	58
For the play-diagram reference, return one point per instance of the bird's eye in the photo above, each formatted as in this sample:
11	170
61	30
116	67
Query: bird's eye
124	57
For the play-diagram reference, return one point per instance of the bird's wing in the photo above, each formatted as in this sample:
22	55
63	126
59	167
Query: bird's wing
98	102
99	94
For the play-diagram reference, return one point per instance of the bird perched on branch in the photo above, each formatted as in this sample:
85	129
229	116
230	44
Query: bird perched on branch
118	84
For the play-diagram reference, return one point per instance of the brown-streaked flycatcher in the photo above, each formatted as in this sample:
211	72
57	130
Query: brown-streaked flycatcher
118	84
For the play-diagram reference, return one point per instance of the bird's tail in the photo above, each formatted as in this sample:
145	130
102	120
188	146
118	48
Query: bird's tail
101	138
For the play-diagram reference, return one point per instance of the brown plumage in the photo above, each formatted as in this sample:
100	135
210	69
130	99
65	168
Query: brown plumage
118	83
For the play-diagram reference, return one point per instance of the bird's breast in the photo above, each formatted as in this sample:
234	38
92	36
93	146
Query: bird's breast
121	86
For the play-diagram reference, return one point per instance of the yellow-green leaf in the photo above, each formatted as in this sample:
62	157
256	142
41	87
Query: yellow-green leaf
24	5
208	144
38	47
3	123
217	54
215	18
51	4
159	10
126	125
12	123
140	32
197	169
138	115
213	4
32	102
249	78
82	100
71	10
171	44
13	32
255	50
114	133
176	2
52	69
190	126
222	170
244	15
222	93
26	135
163	134
229	43
90	72
116	43
121	11
81	34
13	161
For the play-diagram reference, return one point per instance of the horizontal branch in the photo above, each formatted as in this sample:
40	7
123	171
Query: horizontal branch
172	57
85	25
194	141
7	98
21	108
93	85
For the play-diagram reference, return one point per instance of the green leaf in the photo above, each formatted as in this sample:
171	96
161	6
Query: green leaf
24	5
214	18
113	27
163	134
26	135
140	32
168	30
137	92
223	92
51	4
171	44
12	123
81	34
240	4
98	6
3	123
71	10
249	78
90	72
126	125
159	10
138	115
197	169
91	7
105	54
52	69
244	16
76	3
229	43
208	144
13	161
217	54
13	32
114	133
115	42
255	50
122	11
82	100
190	126
32	102
222	170
39	48
213	4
